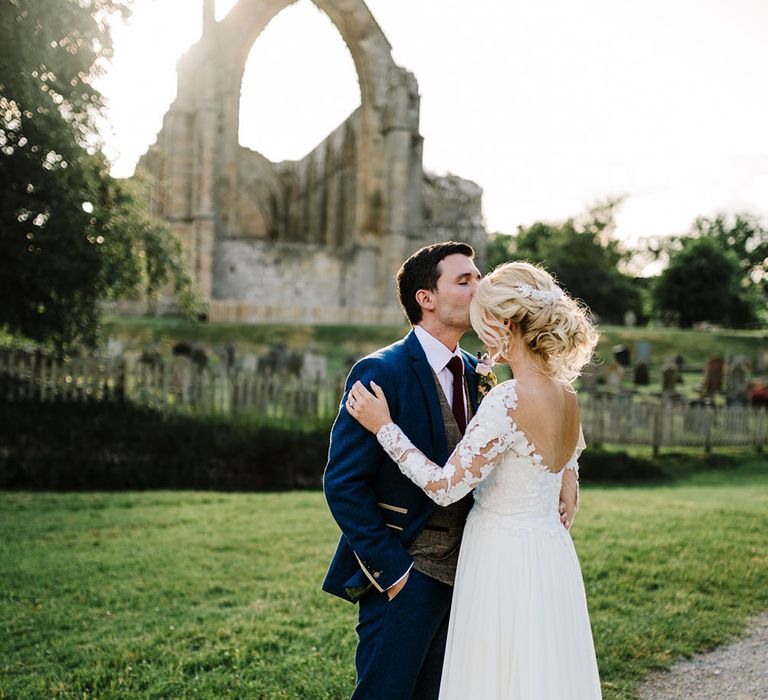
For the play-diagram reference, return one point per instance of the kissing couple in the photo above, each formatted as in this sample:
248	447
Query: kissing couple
455	512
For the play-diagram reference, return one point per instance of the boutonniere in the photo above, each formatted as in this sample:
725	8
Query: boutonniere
486	379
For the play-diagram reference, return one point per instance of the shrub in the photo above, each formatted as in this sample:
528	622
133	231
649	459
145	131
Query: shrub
114	446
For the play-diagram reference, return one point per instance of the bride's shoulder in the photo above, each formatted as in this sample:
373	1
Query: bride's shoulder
527	397
503	395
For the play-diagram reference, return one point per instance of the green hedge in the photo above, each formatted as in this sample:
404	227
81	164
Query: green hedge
115	446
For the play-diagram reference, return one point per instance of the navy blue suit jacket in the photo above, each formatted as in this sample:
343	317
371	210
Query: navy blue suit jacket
378	509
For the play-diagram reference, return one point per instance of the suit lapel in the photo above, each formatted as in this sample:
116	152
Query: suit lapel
471	376
426	379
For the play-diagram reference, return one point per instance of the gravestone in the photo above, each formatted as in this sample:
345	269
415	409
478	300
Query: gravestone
737	382
314	366
642	375
762	361
249	363
226	353
182	371
643	351
758	396
614	376
630	319
196	353
275	360
713	376
621	355
680	364
669	379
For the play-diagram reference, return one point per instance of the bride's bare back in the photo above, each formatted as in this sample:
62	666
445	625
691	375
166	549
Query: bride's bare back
548	414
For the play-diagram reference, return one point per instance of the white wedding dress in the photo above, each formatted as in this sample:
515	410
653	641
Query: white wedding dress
519	627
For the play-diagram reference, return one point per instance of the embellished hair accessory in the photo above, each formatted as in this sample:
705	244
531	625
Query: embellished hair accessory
547	296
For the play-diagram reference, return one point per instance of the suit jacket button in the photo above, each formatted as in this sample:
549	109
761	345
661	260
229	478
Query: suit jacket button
376	574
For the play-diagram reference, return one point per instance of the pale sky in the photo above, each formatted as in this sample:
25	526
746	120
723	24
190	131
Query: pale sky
548	105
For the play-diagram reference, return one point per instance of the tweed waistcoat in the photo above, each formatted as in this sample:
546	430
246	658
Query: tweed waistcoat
435	550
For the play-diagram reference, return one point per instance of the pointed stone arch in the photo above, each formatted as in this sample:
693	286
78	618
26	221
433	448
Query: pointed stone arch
341	219
376	71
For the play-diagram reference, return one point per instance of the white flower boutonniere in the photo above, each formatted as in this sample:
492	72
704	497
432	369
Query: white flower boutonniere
486	379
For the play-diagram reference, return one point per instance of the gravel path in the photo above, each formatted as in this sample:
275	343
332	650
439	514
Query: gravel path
738	671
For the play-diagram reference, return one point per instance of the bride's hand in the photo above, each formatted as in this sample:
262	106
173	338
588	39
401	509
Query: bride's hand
569	497
369	409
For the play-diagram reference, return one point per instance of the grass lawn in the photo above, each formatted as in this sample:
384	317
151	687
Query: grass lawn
214	595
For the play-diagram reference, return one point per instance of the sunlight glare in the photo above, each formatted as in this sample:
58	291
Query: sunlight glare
299	84
223	7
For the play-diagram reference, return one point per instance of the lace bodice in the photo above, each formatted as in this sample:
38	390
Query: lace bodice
494	457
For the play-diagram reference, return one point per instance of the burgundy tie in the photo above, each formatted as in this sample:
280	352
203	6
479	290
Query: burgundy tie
457	405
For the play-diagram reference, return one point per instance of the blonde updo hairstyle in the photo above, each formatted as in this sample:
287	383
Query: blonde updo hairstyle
556	330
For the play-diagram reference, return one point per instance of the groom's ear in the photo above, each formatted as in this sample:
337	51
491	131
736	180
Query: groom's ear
426	299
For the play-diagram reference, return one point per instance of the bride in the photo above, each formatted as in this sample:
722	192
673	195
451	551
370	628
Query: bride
519	626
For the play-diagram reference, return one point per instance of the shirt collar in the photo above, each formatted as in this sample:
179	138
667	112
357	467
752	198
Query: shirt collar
437	354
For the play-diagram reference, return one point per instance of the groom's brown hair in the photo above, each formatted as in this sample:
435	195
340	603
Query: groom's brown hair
422	271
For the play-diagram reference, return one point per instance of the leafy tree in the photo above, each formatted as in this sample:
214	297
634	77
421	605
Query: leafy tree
499	248
745	236
584	256
704	282
741	233
70	235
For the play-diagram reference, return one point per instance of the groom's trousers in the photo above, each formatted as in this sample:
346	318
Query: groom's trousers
401	642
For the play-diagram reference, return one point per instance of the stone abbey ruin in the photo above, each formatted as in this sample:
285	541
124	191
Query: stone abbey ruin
316	240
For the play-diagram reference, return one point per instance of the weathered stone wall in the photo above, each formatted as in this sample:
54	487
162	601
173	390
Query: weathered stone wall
453	211
325	232
259	272
242	312
320	203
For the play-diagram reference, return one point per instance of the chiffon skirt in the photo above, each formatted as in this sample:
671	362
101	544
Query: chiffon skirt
519	626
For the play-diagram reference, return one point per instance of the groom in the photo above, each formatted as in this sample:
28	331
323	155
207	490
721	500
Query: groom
398	552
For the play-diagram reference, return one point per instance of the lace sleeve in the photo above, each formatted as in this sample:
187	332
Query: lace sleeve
489	435
573	462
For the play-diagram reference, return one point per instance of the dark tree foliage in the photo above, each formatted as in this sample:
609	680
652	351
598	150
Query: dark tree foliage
705	282
583	255
70	235
735	256
744	235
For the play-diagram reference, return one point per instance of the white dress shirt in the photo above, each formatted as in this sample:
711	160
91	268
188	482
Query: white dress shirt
438	357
